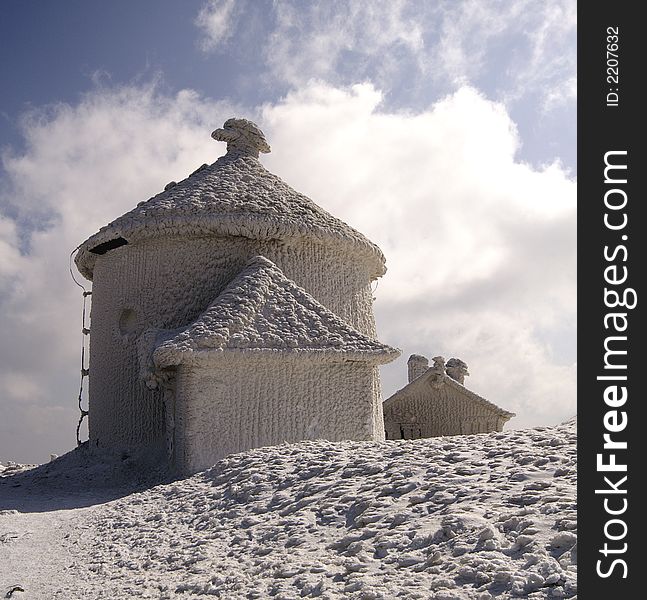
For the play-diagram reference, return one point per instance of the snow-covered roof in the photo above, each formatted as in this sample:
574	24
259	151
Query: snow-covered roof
262	310
432	376
236	195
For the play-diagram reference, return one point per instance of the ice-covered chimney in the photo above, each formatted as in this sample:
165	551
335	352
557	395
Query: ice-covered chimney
417	365
456	369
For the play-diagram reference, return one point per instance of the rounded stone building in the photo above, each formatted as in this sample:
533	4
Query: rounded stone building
156	270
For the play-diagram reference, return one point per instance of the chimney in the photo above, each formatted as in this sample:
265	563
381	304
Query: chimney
456	369
417	365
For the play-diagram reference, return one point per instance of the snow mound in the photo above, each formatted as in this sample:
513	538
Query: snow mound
468	517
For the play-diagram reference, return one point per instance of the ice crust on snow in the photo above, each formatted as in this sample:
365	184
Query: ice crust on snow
478	517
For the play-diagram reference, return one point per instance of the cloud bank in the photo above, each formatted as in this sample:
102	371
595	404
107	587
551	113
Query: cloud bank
480	247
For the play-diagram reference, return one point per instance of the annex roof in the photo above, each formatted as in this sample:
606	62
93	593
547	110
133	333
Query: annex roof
431	376
262	310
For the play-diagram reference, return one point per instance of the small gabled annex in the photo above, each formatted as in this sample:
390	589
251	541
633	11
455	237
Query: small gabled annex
435	403
265	363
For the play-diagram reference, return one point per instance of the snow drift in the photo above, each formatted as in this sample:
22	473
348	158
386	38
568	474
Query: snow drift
467	517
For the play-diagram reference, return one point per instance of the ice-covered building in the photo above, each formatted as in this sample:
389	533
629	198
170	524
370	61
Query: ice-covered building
230	311
436	402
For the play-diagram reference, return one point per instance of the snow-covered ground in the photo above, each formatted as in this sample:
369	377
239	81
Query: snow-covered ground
468	517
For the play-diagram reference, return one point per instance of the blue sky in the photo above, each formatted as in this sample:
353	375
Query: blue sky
55	51
449	127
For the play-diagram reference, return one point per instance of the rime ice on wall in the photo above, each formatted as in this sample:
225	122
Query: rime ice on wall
233	405
159	267
437	403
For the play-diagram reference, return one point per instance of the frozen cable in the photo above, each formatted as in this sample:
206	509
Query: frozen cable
85	331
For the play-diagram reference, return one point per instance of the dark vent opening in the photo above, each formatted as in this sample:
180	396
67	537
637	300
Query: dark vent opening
109	245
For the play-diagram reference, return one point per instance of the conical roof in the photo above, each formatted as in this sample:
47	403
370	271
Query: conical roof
236	195
262	310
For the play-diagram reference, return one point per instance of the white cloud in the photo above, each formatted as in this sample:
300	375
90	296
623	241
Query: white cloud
216	20
522	44
560	94
480	248
518	48
321	40
10	259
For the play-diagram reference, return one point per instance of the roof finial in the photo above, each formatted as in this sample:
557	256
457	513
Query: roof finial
243	137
